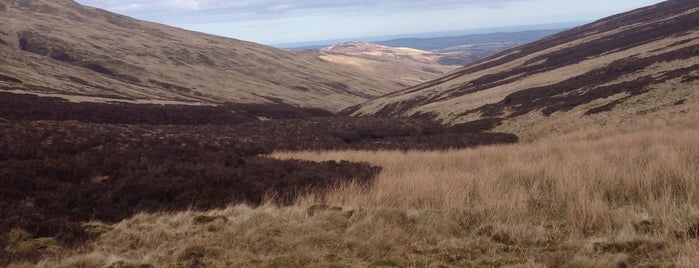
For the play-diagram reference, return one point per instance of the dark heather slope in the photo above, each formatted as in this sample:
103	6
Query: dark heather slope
63	164
591	69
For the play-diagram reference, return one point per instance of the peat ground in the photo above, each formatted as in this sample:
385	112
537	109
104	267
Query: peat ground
63	164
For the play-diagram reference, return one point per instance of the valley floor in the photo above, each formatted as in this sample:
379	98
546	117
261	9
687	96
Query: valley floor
603	197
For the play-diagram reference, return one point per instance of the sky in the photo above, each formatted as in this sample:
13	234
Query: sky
289	21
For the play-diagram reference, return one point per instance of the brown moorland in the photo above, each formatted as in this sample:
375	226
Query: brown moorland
63	164
600	182
615	196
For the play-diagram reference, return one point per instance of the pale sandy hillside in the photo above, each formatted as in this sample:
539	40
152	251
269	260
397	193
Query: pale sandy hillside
635	63
403	66
84	53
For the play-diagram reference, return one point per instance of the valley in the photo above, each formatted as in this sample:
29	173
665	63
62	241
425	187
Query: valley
125	143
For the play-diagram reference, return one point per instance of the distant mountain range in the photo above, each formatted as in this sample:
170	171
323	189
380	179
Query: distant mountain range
450	42
448	50
479	31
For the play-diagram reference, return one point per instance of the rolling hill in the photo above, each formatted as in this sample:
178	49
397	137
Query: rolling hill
632	64
405	66
61	48
395	55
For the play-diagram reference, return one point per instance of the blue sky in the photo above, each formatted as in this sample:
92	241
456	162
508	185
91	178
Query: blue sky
288	21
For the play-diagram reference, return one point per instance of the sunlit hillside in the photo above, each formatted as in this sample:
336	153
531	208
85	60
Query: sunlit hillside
405	66
61	48
631	64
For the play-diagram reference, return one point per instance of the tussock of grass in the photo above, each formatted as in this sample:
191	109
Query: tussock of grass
20	244
583	200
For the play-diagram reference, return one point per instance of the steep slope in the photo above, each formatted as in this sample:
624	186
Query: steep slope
404	66
642	61
83	53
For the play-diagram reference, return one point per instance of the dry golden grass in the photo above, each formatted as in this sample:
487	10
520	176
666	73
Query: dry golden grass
605	197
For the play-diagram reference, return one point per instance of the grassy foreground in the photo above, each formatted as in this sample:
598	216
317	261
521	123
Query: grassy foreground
604	198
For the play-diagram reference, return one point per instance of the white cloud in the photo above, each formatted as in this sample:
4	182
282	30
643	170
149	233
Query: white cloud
190	5
281	7
128	7
141	5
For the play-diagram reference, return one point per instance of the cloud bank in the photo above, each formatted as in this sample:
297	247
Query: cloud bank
285	21
273	6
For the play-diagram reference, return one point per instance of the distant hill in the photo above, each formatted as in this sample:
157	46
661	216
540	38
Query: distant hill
451	50
318	44
61	48
403	66
632	64
444	43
